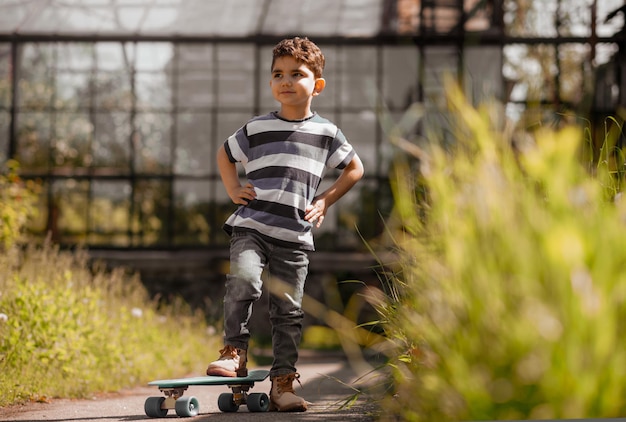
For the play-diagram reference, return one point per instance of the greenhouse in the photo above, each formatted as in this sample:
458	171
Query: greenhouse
118	106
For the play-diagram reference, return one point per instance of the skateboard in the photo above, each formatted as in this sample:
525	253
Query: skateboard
173	389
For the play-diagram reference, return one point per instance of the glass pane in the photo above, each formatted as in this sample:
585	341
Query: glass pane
605	53
235	75
72	141
607	23
153	80
35	70
33	141
438	62
483	73
113	76
109	213
5	75
5	118
160	17
113	91
606	87
41	222
194	152
196	76
153	56
515	111
152	143
69	209
153	90
360	18
367	209
573	59
440	17
235	18
72	90
14	13
111	147
358	76
530	18
114	56
531	71
479	15
192	203
150	213
575	18
357	215
360	129
400	70
75	56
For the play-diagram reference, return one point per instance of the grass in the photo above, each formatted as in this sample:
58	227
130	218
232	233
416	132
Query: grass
509	298
68	330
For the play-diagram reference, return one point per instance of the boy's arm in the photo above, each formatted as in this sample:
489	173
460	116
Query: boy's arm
228	172
351	174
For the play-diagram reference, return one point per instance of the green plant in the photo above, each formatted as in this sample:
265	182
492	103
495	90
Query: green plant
510	296
68	329
17	204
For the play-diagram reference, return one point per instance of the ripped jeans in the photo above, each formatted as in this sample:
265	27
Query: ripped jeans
287	268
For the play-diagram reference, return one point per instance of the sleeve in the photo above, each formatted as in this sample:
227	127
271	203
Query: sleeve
341	152
237	146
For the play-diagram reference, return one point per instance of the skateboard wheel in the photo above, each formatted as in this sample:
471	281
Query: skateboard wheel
258	402
153	409
187	407
226	403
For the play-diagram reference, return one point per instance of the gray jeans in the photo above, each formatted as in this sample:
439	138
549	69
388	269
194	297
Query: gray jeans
288	268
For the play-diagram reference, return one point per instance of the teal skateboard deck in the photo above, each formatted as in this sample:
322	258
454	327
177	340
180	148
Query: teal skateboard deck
173	390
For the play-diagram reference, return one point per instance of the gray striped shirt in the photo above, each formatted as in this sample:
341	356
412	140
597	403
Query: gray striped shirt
285	161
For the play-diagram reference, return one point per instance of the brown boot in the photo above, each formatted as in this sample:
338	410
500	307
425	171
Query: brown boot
232	363
282	396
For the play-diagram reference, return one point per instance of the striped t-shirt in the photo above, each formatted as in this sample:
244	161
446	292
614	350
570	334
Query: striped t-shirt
285	161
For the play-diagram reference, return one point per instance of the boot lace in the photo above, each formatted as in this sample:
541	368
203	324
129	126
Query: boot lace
228	352
284	384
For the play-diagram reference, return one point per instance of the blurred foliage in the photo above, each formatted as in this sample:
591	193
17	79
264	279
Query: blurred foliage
509	296
17	204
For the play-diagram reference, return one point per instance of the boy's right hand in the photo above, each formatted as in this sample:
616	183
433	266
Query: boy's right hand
243	194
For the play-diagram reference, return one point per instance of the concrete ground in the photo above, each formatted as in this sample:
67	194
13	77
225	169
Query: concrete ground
326	384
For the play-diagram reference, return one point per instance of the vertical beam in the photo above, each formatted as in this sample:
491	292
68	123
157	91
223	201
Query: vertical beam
13	107
171	212
214	174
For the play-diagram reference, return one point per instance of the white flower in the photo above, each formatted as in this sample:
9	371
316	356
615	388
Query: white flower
136	312
3	317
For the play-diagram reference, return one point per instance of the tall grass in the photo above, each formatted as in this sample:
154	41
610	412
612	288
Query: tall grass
69	328
510	296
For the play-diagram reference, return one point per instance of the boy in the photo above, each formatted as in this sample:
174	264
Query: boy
284	155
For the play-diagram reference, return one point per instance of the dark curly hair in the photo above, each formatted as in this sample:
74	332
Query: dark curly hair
303	50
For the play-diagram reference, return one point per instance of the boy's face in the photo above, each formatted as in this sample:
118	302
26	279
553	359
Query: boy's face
293	83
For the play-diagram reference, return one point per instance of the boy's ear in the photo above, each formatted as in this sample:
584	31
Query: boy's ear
320	83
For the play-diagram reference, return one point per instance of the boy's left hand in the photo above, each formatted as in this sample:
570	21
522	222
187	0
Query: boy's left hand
316	212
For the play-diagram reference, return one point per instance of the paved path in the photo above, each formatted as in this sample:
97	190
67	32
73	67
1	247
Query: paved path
325	384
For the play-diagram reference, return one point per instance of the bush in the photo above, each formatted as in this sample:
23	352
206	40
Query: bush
510	296
17	204
69	331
